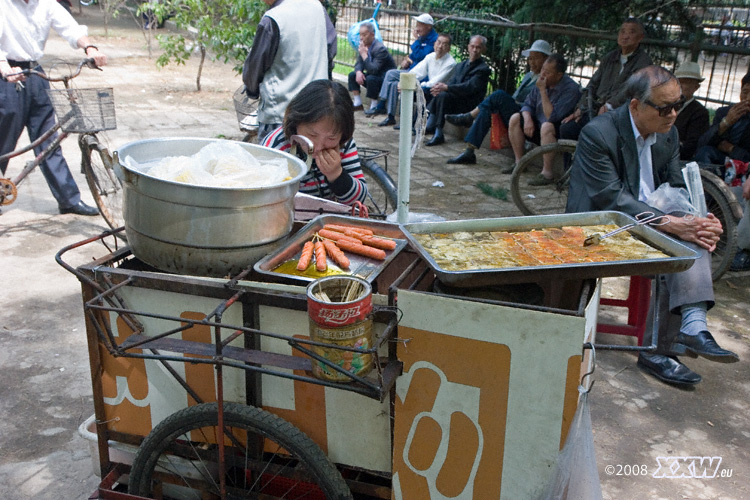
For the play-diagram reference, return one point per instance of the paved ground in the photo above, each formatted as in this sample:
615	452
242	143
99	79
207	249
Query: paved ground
46	392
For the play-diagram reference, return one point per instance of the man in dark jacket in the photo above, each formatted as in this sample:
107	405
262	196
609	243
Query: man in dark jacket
606	90
622	157
692	120
730	133
372	63
462	93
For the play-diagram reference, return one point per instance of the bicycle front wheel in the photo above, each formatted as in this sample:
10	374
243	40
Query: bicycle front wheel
549	198
264	456
721	202
382	193
97	165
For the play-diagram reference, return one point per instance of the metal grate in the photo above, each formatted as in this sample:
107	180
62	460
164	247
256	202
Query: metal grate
84	110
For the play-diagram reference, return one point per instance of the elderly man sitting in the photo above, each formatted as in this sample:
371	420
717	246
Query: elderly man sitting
622	157
553	98
434	68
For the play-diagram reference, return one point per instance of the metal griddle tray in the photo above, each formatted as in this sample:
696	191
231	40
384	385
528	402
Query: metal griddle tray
680	256
364	267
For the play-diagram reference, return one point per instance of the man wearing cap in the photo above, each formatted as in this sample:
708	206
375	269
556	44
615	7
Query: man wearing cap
506	105
554	95
692	120
424	43
463	91
607	85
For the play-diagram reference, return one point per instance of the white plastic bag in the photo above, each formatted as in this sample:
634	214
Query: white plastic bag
576	475
670	199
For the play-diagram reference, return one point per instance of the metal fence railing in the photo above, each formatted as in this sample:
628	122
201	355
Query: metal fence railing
722	48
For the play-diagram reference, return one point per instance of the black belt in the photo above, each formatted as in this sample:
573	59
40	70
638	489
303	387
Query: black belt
23	64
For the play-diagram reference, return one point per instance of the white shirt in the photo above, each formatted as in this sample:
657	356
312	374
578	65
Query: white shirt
643	145
435	70
25	27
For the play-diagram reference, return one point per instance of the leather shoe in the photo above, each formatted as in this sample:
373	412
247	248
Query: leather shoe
741	261
359	108
466	158
703	345
388	121
437	139
460	119
667	369
375	111
509	169
80	209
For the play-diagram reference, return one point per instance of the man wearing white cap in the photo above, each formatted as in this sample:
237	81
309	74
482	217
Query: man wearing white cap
425	38
479	118
692	120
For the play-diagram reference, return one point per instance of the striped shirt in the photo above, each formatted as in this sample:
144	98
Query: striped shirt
348	188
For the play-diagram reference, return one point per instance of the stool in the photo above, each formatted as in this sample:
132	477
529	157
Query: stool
637	302
498	133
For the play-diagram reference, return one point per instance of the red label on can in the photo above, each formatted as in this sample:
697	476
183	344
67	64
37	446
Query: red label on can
333	314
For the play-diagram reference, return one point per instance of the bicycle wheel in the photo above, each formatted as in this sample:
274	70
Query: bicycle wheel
721	202
381	190
548	199
97	165
265	457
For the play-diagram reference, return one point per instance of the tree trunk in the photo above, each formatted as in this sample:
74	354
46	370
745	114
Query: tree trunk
200	68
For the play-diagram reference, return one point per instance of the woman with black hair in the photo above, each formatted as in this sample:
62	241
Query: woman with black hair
323	112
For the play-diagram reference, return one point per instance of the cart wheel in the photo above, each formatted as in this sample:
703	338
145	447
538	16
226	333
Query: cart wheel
721	202
549	199
381	190
265	457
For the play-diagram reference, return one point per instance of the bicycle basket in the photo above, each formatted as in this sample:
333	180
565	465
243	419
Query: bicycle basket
246	109
84	110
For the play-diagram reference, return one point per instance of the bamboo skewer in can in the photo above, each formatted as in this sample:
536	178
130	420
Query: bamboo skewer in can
339	308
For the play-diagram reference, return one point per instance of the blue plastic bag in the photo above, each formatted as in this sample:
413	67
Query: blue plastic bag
353	35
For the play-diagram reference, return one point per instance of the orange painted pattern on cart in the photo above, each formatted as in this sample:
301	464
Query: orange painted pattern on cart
125	389
449	431
199	377
309	413
570	405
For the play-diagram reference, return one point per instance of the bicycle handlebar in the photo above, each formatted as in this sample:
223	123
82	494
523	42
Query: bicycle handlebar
88	62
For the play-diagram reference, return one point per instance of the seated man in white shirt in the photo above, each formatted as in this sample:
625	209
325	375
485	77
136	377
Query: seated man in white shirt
436	67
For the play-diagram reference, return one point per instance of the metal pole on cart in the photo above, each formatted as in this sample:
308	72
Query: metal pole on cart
408	83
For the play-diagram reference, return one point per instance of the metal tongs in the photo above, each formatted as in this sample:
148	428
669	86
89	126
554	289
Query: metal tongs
641	219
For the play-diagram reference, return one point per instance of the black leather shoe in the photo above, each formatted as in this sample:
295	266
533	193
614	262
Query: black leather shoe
460	119
703	345
466	158
437	139
667	369
388	121
375	111
80	209
741	261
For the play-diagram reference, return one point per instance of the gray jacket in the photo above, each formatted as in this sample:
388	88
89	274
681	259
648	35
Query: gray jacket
605	174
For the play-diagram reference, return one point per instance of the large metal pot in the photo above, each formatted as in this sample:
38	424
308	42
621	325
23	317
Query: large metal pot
207	231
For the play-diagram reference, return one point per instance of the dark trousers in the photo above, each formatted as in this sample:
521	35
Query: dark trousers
30	108
709	154
572	129
372	84
498	102
446	103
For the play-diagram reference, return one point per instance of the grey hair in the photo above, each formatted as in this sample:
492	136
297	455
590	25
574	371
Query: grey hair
368	26
482	40
643	82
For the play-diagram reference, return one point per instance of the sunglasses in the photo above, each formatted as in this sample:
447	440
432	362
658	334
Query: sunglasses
665	110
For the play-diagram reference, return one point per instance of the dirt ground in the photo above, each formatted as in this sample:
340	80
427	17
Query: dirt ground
46	390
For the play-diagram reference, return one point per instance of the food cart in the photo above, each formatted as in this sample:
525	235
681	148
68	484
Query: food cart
475	381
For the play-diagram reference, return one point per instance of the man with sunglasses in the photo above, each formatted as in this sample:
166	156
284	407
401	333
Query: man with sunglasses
624	156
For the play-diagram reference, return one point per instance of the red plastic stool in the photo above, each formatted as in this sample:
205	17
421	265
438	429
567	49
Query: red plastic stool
637	303
498	133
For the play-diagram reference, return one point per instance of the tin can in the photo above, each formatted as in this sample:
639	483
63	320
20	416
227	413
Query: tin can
340	310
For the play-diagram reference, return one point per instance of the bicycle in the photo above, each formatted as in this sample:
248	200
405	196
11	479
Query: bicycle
381	188
84	112
552	198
